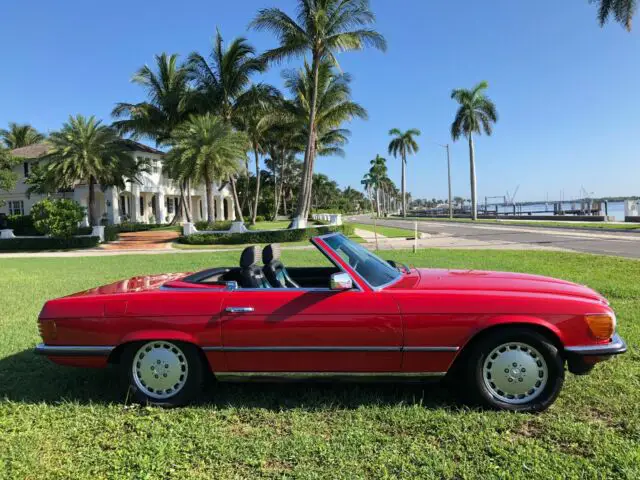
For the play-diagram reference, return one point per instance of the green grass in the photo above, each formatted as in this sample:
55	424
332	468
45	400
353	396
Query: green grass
275	225
58	422
391	232
535	223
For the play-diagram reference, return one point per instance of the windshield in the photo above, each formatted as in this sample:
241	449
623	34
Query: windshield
375	271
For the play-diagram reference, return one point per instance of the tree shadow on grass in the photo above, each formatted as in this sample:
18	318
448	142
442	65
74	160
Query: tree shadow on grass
28	378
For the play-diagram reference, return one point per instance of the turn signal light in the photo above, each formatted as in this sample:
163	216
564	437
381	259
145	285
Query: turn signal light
602	326
47	330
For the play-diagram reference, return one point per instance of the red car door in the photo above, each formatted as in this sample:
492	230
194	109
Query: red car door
312	330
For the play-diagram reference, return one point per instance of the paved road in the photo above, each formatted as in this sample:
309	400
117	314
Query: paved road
606	243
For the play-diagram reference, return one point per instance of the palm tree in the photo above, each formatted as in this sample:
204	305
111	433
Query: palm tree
208	149
222	83
170	101
377	179
7	176
476	113
402	144
622	10
84	150
334	107
322	29
253	118
17	136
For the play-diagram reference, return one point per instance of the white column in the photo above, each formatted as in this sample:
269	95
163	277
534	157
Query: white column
219	208
161	208
230	208
112	200
204	207
134	214
80	196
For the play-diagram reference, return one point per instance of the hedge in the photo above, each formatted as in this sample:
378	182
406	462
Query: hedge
275	236
48	243
21	225
204	225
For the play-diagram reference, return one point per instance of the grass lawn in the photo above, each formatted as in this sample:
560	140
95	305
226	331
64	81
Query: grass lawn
58	422
275	225
391	232
535	223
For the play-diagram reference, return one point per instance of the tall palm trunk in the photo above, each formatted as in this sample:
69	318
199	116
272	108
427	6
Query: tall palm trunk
185	208
93	212
472	172
236	203
209	192
404	183
302	211
378	200
255	204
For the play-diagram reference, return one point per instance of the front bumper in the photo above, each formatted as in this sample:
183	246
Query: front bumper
582	359
615	347
73	350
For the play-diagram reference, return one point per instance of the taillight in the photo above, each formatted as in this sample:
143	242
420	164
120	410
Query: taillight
47	329
602	326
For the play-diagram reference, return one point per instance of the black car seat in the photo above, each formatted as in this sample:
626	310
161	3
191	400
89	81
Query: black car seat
274	269
251	275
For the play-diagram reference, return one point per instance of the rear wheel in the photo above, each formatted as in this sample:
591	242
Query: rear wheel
163	373
515	369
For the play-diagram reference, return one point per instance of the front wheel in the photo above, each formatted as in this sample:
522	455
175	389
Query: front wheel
163	373
517	370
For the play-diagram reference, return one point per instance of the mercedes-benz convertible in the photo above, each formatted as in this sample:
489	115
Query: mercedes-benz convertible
504	337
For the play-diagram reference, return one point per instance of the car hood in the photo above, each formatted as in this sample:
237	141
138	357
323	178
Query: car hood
134	284
480	280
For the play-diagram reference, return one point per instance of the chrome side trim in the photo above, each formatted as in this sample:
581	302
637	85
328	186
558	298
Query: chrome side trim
329	348
615	347
73	350
301	349
430	349
326	375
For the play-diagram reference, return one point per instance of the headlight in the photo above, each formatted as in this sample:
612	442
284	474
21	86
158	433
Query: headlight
602	325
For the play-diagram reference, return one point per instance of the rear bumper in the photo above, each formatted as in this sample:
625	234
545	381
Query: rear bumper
615	347
73	350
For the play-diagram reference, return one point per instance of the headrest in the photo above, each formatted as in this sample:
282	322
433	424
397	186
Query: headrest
249	257
271	253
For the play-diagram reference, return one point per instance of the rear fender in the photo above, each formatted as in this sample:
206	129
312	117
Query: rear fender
148	335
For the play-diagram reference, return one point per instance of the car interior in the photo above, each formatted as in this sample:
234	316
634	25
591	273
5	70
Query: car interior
271	274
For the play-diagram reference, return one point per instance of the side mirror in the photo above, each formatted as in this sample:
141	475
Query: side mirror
231	285
341	281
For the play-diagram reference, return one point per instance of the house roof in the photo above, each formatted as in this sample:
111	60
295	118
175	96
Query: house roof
31	151
140	147
37	150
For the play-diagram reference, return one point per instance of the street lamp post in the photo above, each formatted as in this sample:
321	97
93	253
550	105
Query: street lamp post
448	177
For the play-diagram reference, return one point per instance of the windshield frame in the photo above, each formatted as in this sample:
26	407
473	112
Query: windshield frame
345	265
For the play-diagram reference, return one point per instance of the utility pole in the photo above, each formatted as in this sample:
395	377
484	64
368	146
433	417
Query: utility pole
449	178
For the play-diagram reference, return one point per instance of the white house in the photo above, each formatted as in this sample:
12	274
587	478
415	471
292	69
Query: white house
153	200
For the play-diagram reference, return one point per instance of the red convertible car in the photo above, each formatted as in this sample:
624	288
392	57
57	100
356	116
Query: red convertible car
504	337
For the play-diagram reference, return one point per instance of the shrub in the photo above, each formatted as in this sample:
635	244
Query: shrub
260	218
58	218
204	225
132	227
22	225
111	233
48	243
276	236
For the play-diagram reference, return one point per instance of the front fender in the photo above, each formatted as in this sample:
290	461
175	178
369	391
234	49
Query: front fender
518	320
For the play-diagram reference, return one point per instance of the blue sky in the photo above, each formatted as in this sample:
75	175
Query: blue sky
566	90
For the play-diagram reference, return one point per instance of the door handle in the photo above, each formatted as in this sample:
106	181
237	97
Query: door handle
239	309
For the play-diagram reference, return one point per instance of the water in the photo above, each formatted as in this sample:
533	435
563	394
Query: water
615	209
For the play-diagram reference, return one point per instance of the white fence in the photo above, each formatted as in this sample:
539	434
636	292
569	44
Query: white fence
7	233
